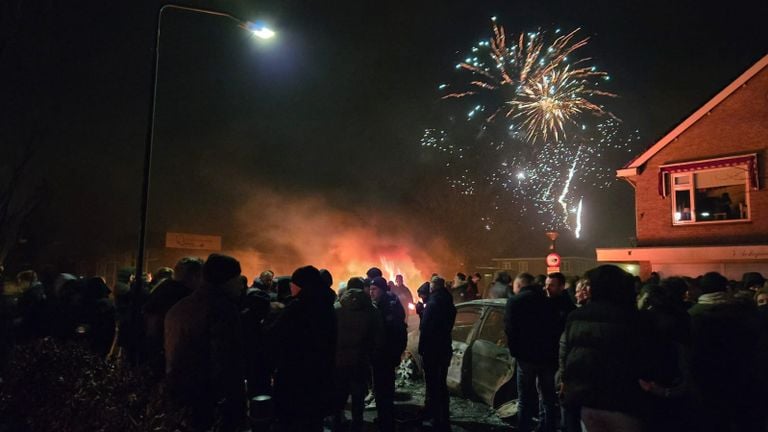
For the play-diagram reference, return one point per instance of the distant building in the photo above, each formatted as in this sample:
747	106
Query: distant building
700	200
570	266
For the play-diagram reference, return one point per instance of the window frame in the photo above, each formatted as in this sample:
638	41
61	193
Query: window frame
690	187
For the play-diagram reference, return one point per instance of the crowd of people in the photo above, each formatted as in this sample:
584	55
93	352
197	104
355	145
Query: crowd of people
606	352
283	353
601	352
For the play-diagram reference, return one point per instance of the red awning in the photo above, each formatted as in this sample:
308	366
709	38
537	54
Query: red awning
750	161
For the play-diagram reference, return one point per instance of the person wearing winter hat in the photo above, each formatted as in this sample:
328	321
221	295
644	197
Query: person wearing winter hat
303	339
359	330
394	341
205	356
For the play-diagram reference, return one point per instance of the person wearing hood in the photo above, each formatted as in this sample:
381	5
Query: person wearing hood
302	340
359	328
204	352
435	348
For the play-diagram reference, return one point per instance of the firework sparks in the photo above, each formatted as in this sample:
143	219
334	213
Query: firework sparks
533	138
532	82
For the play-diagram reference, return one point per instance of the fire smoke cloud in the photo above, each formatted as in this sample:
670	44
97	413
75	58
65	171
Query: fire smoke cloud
283	232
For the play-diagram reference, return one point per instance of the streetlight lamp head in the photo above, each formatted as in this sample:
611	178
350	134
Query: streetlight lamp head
259	30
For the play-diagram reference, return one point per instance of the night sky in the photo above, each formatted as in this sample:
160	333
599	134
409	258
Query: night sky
330	111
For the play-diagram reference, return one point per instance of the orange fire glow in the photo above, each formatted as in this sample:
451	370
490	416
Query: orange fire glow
302	231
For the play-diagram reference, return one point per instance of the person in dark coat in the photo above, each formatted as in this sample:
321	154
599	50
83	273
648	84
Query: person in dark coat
531	323
561	300
671	325
608	349
386	360
32	306
266	282
423	293
360	332
204	353
460	287
435	347
727	360
98	315
473	287
187	276
501	286
255	307
302	341
402	292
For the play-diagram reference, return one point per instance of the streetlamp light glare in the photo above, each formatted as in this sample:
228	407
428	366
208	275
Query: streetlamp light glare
260	31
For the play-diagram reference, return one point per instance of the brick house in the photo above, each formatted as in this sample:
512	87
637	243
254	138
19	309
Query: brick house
701	202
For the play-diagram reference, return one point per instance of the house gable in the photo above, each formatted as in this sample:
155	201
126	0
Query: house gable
633	167
734	123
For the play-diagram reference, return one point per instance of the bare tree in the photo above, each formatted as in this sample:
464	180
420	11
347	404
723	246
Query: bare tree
17	198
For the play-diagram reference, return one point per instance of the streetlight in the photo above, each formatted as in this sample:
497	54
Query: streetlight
256	30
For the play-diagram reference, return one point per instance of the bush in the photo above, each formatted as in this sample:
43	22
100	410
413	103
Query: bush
61	386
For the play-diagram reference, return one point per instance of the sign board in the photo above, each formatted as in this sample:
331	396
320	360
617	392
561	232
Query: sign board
192	241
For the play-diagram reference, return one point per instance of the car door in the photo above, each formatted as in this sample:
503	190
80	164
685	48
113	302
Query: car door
491	364
467	320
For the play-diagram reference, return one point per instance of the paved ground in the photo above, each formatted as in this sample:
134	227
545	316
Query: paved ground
466	415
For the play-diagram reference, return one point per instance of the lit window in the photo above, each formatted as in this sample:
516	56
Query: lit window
522	266
712	195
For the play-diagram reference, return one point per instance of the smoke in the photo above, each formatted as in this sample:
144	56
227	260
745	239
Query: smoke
282	232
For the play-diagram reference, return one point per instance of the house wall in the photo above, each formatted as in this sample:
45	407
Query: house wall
738	125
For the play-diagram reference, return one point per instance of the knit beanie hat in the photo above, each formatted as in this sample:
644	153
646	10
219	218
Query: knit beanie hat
307	277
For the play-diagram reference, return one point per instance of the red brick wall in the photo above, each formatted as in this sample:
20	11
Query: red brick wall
738	125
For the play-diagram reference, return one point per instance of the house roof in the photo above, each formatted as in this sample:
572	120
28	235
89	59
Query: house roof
632	168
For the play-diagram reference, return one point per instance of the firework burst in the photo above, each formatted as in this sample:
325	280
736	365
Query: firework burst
533	139
531	82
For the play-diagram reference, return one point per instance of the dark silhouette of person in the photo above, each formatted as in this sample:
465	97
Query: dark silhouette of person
435	348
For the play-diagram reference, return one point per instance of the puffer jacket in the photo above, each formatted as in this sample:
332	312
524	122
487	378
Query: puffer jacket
608	348
359	329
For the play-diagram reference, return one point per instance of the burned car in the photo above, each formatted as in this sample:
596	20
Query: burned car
481	367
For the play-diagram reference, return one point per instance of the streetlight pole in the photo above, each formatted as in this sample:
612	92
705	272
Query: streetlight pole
137	286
